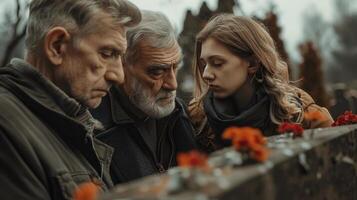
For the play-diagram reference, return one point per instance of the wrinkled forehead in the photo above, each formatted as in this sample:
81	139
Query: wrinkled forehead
148	54
103	22
105	29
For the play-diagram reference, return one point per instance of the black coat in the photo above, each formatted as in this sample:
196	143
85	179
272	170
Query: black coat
133	158
45	152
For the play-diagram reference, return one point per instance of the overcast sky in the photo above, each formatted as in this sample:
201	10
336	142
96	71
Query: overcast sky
290	13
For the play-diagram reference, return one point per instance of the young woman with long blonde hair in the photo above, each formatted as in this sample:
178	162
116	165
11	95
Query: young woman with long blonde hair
241	81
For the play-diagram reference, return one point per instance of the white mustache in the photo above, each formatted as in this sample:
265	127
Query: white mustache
166	94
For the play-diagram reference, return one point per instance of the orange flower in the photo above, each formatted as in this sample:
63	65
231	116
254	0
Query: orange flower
229	133
192	159
260	154
86	191
244	137
242	142
247	139
259	138
314	116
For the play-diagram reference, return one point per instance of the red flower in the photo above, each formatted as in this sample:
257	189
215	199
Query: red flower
192	159
247	139
287	127
346	118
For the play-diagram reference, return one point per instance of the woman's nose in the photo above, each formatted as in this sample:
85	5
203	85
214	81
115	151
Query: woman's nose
207	74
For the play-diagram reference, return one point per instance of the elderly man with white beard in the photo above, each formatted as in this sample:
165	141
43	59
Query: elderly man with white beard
143	120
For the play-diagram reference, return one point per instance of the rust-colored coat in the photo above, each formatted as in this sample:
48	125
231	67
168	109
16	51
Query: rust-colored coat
310	106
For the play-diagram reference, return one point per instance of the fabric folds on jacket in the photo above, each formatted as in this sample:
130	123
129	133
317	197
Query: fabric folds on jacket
134	156
46	139
210	124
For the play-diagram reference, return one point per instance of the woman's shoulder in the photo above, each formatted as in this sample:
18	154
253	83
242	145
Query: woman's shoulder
310	106
305	98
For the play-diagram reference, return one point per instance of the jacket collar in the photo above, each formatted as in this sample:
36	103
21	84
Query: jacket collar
39	88
70	121
42	97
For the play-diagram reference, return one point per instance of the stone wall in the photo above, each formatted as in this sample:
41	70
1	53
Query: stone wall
321	165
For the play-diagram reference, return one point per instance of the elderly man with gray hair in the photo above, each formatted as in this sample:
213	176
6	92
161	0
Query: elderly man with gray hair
144	121
74	50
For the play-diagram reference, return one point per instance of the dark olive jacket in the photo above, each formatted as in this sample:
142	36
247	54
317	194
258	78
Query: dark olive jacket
46	143
133	158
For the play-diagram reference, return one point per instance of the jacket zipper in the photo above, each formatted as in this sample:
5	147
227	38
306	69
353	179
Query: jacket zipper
172	145
160	167
157	164
100	163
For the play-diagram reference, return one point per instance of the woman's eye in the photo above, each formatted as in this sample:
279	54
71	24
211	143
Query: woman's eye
217	63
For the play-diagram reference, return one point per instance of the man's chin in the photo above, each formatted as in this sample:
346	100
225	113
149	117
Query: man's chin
93	103
167	109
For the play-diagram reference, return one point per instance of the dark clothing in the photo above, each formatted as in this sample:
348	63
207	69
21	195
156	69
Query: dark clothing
256	115
46	142
142	145
209	123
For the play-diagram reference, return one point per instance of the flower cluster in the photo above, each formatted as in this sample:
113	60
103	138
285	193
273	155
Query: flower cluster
248	140
192	159
294	128
86	191
346	118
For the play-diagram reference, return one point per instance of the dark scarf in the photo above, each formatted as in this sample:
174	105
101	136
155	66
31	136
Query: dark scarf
255	115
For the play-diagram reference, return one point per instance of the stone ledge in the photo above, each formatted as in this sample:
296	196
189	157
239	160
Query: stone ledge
319	167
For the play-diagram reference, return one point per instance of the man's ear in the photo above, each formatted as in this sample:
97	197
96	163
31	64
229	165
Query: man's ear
56	41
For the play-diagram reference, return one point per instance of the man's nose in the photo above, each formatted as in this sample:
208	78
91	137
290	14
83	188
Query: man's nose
115	74
170	81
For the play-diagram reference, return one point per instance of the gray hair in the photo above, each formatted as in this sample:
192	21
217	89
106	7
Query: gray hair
155	29
77	16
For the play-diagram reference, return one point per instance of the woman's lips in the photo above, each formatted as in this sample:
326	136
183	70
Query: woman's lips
214	87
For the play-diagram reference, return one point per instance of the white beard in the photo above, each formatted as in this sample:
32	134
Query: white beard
142	98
